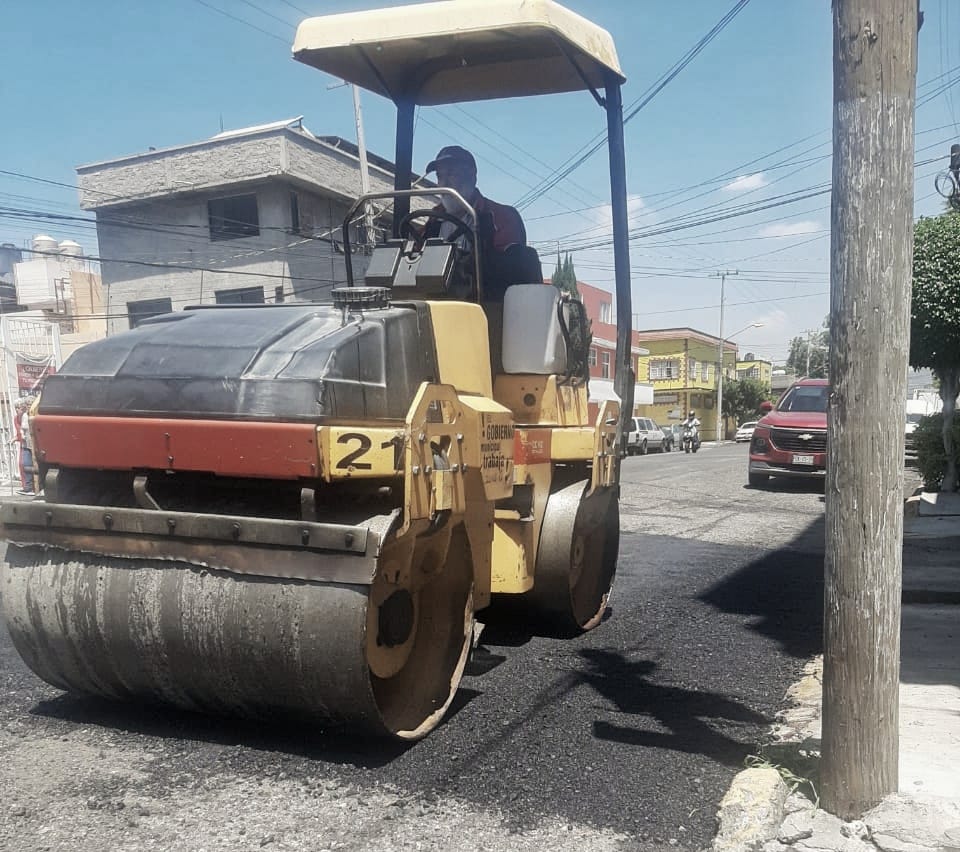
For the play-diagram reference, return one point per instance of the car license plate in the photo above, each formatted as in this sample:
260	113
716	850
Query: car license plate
803	459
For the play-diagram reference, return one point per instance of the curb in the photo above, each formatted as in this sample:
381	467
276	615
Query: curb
911	506
752	810
759	800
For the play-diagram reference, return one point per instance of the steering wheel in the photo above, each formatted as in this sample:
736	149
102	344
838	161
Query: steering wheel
405	228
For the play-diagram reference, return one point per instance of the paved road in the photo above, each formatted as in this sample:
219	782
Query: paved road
625	738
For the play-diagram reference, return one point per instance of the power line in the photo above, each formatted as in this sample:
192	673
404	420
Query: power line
595	145
297	8
720	217
263	11
242	21
791	161
565	206
734	304
499	166
582	190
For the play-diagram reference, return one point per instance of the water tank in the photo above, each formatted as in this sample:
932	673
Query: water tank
9	255
70	248
44	245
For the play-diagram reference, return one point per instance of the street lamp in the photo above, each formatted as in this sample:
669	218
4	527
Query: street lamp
720	378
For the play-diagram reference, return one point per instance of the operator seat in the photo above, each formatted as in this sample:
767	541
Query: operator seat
517	264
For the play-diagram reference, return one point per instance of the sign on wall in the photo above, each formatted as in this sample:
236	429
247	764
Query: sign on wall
32	370
30	351
665	398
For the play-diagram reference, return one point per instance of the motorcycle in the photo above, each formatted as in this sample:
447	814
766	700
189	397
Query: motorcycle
691	439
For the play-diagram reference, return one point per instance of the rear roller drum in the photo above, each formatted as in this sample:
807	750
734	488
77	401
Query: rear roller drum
577	557
384	659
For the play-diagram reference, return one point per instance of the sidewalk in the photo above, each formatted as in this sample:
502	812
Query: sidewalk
762	812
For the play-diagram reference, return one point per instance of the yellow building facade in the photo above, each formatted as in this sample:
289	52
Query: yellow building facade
761	371
682	368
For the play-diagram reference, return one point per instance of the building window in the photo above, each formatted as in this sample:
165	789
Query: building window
233	217
592	360
704	372
692	368
606	313
146	308
604	365
240	295
664	369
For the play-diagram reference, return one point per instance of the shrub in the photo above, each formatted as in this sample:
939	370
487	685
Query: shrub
931	457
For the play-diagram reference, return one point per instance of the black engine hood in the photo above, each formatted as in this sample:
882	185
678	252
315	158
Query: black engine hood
293	362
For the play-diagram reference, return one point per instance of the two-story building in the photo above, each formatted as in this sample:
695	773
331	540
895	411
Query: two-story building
249	215
755	368
682	368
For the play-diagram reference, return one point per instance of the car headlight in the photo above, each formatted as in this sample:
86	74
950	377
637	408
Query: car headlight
759	444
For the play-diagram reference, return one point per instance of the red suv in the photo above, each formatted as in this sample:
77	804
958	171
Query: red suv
791	440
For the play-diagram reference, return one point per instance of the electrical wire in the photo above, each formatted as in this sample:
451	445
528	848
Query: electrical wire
297	8
242	21
591	148
264	12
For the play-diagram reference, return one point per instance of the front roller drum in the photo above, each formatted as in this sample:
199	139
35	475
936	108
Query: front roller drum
383	659
577	557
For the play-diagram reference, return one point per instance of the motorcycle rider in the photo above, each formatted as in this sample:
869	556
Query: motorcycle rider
693	424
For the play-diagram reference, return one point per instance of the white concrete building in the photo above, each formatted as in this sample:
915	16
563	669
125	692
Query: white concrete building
54	282
249	215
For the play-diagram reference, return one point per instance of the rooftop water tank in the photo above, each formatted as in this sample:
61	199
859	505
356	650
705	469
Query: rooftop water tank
9	255
43	244
70	248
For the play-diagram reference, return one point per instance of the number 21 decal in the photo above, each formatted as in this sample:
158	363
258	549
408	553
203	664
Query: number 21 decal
350	459
364	444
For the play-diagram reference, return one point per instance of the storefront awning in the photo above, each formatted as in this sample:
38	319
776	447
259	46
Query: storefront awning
601	390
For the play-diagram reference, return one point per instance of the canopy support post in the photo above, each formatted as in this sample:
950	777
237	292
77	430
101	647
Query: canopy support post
406	110
624	377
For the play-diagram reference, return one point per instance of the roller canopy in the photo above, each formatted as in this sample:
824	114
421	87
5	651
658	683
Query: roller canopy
461	50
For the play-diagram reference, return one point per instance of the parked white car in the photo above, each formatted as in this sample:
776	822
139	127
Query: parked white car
644	436
745	432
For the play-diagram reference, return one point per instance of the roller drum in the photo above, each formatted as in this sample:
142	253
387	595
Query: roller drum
212	641
577	557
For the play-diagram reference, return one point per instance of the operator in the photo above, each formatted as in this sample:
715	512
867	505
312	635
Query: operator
692	421
502	235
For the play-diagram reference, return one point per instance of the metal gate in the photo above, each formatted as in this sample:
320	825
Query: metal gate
30	351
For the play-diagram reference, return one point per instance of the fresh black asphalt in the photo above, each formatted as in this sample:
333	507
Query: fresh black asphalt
638	726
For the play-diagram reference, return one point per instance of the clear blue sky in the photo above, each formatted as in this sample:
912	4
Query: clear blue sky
82	82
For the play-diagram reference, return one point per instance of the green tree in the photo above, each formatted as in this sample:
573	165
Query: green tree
931	457
742	398
817	347
564	276
935	319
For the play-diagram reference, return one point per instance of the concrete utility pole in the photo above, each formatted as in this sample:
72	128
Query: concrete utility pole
723	280
809	333
874	67
368	222
364	168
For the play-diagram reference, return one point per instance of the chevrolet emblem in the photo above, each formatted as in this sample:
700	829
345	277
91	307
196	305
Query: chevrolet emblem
806	436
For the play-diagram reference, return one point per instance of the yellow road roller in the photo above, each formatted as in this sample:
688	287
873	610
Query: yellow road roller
299	509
